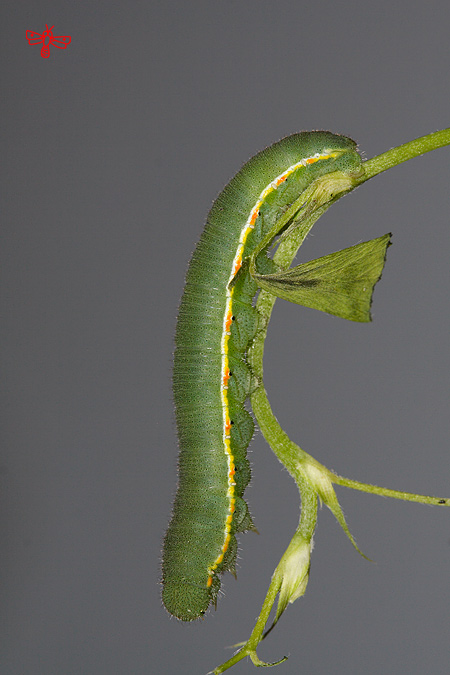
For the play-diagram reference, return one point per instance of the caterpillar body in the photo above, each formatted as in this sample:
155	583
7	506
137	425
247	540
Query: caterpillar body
211	379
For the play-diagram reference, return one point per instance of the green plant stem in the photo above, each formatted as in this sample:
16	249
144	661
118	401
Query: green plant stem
393	494
312	478
402	153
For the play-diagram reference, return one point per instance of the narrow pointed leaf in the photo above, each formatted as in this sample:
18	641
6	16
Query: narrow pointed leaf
341	283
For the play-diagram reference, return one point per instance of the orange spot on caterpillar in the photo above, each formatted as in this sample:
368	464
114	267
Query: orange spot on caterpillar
254	216
229	320
209	582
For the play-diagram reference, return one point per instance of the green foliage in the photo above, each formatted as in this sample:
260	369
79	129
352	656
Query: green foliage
341	283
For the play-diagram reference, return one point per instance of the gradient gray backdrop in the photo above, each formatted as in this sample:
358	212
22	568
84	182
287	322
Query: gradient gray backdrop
113	151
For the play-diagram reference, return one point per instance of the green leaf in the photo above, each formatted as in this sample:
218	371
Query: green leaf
341	283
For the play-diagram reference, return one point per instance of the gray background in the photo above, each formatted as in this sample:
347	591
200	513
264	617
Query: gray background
113	151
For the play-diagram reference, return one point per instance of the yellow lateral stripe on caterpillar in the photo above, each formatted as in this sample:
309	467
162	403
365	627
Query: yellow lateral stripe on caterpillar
237	263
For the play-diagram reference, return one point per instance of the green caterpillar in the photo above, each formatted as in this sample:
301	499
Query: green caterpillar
212	380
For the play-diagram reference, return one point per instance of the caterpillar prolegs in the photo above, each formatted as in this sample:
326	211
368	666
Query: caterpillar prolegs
211	379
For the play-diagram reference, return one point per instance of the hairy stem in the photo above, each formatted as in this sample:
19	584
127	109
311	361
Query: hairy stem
402	153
